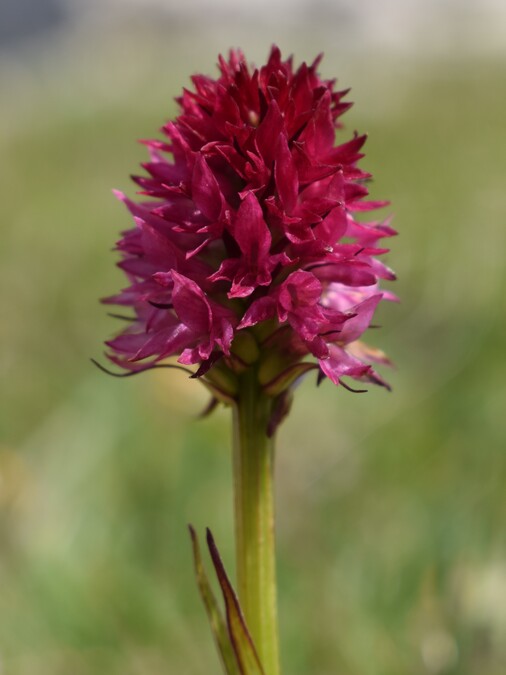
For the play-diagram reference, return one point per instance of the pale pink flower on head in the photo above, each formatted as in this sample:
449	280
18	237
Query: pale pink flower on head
249	229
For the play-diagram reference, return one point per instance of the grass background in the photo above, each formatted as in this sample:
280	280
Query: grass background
391	508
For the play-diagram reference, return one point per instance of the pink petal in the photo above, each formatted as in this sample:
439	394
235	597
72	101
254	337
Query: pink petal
340	363
259	310
164	343
190	304
354	327
300	289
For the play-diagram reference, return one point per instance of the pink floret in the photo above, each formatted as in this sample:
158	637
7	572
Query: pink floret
248	217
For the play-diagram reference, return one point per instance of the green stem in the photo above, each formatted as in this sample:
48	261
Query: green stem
254	518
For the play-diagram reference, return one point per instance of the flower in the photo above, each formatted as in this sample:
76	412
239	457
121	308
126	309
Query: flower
247	248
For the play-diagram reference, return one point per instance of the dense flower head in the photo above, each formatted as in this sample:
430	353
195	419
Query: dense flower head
247	247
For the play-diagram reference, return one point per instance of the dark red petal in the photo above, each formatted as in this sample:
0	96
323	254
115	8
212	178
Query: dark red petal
319	133
251	231
190	304
285	173
333	226
205	189
269	131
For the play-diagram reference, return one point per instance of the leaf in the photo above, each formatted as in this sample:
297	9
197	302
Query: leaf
246	654
216	620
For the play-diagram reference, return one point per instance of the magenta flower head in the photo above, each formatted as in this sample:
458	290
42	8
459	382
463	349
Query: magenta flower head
247	251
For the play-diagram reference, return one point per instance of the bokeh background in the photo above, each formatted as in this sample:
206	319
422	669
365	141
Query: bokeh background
391	507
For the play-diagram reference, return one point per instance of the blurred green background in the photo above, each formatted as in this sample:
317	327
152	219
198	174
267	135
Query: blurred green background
391	507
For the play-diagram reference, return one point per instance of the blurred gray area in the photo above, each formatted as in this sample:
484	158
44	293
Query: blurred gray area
22	20
94	51
422	25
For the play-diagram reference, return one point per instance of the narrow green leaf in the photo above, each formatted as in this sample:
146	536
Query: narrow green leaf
247	657
216	620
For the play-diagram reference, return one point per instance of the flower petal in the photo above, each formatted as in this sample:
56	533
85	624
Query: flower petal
205	189
190	304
